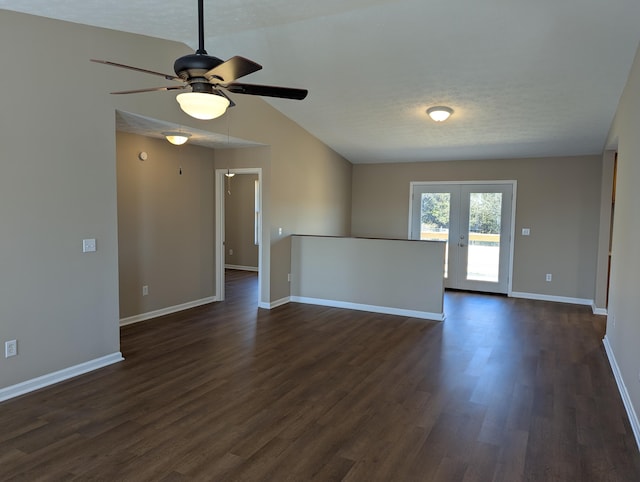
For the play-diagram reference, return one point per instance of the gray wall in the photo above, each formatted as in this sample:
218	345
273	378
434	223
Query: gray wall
165	224
239	219
558	198
623	325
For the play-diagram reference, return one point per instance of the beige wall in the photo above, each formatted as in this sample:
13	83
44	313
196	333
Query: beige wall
368	273
623	325
165	224
59	185
557	198
306	185
240	221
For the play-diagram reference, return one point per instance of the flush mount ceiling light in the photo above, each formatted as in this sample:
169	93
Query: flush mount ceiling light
203	106
439	113
176	138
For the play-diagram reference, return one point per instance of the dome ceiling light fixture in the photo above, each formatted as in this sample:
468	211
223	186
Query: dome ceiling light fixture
439	113
176	138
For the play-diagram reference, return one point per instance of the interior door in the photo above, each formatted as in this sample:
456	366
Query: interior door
475	221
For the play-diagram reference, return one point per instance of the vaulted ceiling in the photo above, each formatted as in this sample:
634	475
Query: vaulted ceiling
529	78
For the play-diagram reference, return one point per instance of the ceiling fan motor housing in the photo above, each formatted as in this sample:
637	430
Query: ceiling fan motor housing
195	65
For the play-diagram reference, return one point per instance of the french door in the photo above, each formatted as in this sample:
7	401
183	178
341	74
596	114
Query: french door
474	220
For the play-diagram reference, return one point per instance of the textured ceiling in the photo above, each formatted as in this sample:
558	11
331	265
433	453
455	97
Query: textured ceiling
145	126
525	78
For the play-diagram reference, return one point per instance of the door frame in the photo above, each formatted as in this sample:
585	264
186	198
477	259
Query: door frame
413	185
220	227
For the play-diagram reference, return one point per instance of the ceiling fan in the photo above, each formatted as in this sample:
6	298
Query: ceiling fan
207	78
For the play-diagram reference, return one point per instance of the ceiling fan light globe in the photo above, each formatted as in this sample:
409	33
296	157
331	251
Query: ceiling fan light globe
203	106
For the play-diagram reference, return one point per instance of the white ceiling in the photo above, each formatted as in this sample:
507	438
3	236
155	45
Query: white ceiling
529	78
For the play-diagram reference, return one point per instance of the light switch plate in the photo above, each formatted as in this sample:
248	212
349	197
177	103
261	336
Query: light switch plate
526	231
88	245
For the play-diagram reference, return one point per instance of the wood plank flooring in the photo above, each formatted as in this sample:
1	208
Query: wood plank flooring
503	390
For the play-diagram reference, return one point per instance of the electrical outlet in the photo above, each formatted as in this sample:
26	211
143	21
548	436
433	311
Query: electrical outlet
289	277
526	231
10	348
548	277
145	290
88	245
231	252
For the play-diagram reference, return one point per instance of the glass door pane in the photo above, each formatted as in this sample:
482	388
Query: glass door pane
475	221
483	237
435	212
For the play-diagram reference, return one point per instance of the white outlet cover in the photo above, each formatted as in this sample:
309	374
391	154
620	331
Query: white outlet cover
88	245
10	348
526	231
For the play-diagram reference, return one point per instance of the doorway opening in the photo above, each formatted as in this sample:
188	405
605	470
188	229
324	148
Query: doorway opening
245	245
613	209
475	220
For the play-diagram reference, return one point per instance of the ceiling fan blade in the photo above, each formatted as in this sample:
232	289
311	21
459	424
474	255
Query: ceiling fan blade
152	89
267	90
137	69
233	69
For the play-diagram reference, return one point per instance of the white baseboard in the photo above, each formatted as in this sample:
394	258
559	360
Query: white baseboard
59	376
622	388
166	311
556	299
241	268
425	315
274	304
598	311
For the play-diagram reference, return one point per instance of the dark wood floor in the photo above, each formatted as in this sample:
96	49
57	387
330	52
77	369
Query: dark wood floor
504	390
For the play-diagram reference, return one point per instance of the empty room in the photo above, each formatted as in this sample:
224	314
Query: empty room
362	240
